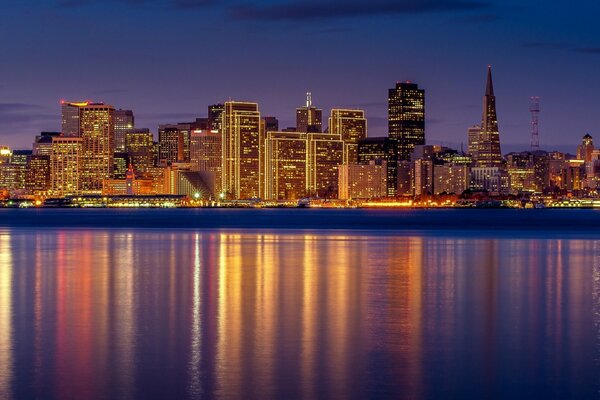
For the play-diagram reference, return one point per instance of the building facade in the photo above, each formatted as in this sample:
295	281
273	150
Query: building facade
98	135
351	125
406	117
242	141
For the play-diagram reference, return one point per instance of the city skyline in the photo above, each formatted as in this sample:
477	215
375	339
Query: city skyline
133	68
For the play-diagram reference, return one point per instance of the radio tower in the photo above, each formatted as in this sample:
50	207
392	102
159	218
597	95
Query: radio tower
534	108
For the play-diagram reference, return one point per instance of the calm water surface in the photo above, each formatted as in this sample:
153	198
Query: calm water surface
160	312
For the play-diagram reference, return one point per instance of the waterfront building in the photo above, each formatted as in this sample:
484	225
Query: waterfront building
309	118
180	179
363	181
65	166
139	145
285	165
124	122
121	163
488	146
325	152
12	177
196	185
491	179
351	125
97	133
242	141
450	178
385	149
206	153
18	163
130	185
406	117
37	174
521	169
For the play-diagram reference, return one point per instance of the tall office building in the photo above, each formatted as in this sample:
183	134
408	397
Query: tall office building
351	125
43	143
271	124
309	118
70	125
170	144
124	122
65	165
242	150
206	154
174	142
37	174
215	120
473	140
585	149
325	152
381	148
139	144
406	117
488	147
285	165
97	125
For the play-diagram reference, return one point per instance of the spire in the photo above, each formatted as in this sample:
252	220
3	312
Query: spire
308	99
489	90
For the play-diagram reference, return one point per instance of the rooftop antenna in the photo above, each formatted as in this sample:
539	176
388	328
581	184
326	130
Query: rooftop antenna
308	99
534	108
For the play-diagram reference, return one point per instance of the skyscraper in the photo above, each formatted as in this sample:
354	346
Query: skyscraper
215	120
70	111
65	165
174	142
37	174
473	140
351	125
124	121
286	169
97	125
242	143
381	148
271	124
585	149
309	118
406	117
206	154
139	145
488	146
325	152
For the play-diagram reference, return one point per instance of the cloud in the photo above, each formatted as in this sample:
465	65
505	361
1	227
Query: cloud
311	10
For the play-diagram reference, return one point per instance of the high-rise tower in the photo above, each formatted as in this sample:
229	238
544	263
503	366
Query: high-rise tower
406	117
242	148
488	146
309	118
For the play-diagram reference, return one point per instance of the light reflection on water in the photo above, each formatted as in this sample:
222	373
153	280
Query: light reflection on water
222	314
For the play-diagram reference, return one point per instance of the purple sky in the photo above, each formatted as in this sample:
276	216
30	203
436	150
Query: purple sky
168	59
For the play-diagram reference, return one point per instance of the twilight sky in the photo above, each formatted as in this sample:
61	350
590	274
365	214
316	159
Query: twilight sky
168	59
